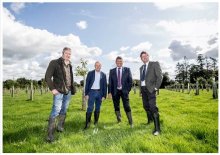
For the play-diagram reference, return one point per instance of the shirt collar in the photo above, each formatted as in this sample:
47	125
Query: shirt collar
97	72
64	61
146	63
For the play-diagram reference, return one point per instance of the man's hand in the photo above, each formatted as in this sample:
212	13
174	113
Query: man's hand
103	98
110	96
87	97
54	92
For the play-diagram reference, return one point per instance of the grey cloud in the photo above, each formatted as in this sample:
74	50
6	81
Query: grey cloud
212	52
213	39
179	50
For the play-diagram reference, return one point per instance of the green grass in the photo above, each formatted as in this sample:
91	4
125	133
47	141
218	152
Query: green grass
189	123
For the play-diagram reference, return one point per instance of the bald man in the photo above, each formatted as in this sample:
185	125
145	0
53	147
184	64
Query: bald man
95	92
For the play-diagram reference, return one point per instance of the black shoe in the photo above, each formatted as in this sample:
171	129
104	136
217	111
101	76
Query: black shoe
156	124
60	126
51	129
88	119
96	117
118	116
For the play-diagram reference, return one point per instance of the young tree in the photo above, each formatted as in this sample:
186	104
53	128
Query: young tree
82	71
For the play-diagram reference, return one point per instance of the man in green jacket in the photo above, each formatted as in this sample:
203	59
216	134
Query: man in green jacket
59	78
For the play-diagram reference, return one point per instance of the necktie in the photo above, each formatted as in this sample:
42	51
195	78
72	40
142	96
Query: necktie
144	72
119	78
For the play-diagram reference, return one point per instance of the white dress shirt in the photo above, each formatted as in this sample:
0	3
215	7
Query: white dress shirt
96	84
143	82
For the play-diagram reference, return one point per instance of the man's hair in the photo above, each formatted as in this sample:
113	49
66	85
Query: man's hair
118	58
98	62
143	52
66	49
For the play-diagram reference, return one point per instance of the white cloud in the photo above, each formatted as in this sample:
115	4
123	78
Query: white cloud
113	54
124	48
27	46
164	53
17	7
170	5
193	28
82	24
142	46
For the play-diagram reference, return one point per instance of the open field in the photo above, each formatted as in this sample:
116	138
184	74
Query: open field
189	123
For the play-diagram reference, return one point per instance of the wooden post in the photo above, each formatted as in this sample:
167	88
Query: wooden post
215	91
207	87
182	88
26	90
197	88
32	92
13	91
189	88
41	90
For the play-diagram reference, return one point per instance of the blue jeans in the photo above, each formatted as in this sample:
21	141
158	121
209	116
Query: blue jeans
94	97
60	104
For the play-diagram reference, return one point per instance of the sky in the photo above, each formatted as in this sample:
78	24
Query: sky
35	33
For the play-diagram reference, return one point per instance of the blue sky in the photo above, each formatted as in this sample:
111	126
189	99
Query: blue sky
35	33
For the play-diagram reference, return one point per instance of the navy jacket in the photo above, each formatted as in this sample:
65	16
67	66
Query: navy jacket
90	80
126	81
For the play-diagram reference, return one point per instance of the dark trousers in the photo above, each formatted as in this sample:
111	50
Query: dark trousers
125	100
149	100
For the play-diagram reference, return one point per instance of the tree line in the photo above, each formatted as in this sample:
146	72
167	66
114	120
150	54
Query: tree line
204	71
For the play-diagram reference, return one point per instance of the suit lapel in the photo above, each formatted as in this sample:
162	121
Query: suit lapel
93	76
141	71
115	72
148	67
123	70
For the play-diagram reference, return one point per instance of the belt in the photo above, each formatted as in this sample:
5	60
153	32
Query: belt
96	89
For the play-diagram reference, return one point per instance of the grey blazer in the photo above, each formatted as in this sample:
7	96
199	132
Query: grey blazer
154	76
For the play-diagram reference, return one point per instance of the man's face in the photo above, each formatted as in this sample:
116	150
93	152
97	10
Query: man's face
98	66
145	58
119	62
67	55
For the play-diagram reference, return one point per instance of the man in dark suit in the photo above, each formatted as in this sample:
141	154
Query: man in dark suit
150	81
95	92
120	83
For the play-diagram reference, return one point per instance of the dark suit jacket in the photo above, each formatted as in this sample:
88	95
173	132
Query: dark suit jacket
154	76
126	81
90	80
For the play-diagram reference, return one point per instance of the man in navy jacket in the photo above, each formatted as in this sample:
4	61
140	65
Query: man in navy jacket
95	92
120	83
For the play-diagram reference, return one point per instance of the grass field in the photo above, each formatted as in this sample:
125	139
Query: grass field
189	123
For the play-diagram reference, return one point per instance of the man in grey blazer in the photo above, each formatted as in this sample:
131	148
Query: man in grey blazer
150	81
